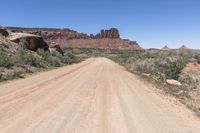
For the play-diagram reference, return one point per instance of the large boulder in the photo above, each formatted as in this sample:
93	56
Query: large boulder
173	82
32	42
3	32
55	47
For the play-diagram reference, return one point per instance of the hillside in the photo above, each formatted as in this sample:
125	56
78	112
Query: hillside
105	39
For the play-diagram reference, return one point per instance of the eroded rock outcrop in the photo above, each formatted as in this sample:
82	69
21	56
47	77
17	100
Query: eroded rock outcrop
3	32
32	42
111	33
50	34
54	47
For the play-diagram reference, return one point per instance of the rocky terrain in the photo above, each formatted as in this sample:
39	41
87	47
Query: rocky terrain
105	39
23	53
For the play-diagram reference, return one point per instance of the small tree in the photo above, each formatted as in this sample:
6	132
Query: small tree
197	57
174	67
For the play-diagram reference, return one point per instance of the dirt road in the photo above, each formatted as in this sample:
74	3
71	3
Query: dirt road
95	96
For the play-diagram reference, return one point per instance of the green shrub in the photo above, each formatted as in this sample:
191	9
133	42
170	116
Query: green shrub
174	67
69	58
5	59
13	73
197	57
191	80
50	59
22	58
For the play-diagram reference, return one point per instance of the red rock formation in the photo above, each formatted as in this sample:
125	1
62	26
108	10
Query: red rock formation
102	43
111	33
50	34
106	39
32	42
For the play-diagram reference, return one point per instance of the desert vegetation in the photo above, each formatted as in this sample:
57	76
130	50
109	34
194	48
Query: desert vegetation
157	66
15	65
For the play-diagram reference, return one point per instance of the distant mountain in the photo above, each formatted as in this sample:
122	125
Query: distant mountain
165	48
67	38
183	47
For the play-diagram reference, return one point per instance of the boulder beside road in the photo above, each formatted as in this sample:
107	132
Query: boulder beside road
173	82
32	42
55	47
3	32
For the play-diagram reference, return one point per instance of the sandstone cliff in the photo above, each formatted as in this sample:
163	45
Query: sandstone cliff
105	39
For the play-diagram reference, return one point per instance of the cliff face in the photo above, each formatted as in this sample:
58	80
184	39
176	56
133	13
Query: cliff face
105	39
50	34
111	33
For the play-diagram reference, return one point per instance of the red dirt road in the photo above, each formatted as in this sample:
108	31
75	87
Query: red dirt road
95	96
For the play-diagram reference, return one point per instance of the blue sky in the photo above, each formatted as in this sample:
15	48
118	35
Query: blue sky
152	23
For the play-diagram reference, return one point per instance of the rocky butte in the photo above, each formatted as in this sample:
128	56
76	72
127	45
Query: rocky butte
165	48
66	38
183	47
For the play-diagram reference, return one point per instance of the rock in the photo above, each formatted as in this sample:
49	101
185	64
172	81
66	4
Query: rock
55	47
3	32
51	34
111	33
54	34
173	82
105	43
32	42
146	74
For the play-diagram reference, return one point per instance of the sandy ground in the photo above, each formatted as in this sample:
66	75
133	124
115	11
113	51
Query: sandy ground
191	68
95	96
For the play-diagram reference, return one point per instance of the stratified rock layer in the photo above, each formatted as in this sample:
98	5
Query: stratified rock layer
105	39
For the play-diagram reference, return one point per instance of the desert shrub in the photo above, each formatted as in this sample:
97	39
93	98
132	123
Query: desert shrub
154	67
50	60
57	59
191	80
197	57
69	58
5	59
12	74
22	43
54	61
44	54
145	66
155	62
174	67
23	58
